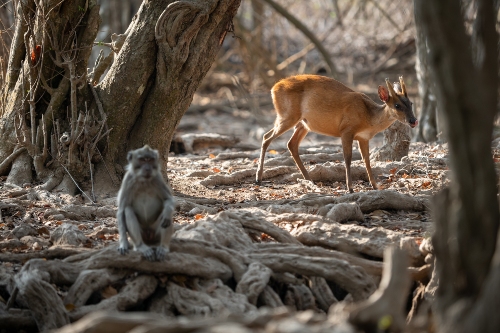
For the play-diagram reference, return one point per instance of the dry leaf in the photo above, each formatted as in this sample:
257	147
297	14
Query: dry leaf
426	184
231	169
216	170
108	292
198	217
273	152
393	171
69	307
211	156
43	230
378	212
181	279
405	175
264	236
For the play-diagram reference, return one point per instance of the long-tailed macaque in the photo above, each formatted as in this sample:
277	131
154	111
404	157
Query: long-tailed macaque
145	206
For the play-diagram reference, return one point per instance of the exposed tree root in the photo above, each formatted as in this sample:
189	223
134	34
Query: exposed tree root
54	252
194	142
216	268
4	166
307	158
212	299
285	167
389	301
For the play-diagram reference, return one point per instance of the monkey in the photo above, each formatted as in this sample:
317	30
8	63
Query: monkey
145	206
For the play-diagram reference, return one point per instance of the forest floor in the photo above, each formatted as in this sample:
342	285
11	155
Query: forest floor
214	174
220	176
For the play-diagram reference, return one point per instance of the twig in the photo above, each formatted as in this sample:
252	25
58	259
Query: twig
106	166
12	298
336	8
299	25
387	16
91	176
76	184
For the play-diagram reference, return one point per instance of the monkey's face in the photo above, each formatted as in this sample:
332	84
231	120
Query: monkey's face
144	162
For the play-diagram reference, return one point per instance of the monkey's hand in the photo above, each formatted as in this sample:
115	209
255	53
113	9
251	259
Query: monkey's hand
166	214
147	252
123	249
161	252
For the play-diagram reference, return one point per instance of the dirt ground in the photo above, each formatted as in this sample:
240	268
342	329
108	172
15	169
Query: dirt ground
421	174
212	176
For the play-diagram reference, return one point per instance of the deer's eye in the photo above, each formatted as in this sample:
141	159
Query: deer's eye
397	106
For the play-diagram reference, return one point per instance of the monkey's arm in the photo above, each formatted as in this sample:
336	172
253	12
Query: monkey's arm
120	216
165	217
122	231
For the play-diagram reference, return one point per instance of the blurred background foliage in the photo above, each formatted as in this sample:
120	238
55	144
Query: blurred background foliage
359	42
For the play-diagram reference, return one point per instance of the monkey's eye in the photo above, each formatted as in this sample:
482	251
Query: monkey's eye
397	106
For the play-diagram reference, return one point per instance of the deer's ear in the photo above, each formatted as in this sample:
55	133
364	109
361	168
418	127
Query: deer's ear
383	94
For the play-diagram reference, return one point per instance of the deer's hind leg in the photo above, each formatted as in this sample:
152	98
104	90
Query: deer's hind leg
293	146
281	126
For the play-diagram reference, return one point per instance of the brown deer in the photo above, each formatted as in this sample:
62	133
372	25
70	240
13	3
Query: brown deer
326	106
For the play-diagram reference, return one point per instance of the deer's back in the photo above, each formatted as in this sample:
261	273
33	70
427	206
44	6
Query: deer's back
325	105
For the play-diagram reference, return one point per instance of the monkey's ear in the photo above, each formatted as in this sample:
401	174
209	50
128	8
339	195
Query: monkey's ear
130	155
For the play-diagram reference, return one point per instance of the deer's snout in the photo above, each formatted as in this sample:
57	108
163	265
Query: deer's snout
413	122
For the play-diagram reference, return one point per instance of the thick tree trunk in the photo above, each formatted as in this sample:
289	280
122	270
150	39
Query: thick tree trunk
428	128
467	215
61	119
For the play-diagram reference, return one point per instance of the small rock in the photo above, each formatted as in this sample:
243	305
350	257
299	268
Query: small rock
426	246
429	259
36	246
195	211
24	230
347	211
410	245
30	241
68	234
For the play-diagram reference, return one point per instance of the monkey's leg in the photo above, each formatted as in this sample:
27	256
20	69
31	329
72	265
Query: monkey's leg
134	230
122	231
164	247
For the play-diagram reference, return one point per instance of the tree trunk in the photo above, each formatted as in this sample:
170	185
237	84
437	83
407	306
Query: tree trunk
396	143
467	214
62	119
428	128
6	20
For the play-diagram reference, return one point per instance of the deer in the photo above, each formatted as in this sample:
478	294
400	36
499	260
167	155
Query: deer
326	106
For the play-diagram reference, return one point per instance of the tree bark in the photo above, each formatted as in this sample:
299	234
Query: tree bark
396	143
428	128
467	215
166	51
